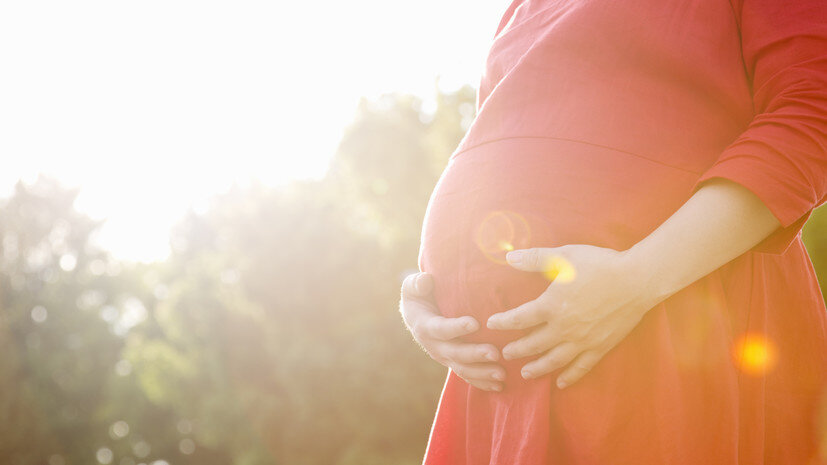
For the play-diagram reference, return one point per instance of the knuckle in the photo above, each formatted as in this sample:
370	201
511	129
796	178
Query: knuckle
435	356
543	306
579	369
418	331
532	258
459	370
574	331
429	327
553	361
551	365
529	347
445	355
466	354
565	316
580	333
450	352
482	385
440	328
479	355
476	384
601	337
542	343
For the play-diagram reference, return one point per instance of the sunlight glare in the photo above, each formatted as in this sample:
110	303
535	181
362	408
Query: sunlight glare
151	106
754	354
502	231
559	269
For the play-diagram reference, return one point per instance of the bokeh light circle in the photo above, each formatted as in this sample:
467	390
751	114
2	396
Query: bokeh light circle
754	354
500	232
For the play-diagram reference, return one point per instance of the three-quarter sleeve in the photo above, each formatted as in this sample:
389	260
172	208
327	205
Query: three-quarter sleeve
782	155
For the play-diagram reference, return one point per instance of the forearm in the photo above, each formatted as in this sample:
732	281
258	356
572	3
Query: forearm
717	224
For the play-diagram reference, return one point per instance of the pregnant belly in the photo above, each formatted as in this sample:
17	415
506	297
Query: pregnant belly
534	192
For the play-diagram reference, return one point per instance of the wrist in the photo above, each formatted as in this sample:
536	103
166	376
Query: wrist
649	274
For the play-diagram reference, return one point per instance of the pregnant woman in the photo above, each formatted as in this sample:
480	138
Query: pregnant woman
611	264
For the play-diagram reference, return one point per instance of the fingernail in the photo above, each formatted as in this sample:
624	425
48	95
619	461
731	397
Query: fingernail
526	374
498	388
417	284
491	356
498	376
561	384
514	257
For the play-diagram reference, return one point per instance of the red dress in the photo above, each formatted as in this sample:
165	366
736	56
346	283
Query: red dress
596	120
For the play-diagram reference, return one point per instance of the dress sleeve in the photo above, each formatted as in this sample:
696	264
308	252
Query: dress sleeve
782	155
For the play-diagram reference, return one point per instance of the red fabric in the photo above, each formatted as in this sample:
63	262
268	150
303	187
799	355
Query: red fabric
596	121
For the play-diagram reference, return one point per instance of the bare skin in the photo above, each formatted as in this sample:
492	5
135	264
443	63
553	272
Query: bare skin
439	336
579	320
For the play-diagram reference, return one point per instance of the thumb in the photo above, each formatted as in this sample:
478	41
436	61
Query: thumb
424	283
527	259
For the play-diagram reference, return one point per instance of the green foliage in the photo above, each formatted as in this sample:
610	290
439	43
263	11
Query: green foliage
62	303
814	235
390	158
270	336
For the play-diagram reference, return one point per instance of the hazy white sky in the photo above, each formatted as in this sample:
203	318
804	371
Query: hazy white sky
151	106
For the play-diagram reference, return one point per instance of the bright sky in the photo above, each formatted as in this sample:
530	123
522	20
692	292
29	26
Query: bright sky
153	106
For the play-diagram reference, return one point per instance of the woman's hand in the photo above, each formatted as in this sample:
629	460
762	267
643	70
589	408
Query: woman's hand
595	299
439	336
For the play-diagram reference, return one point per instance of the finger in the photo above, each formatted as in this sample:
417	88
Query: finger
551	261
462	352
525	316
536	259
487	372
536	342
485	385
555	358
525	259
414	311
417	285
581	365
443	329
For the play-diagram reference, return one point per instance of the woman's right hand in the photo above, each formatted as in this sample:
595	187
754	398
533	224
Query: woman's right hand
439	336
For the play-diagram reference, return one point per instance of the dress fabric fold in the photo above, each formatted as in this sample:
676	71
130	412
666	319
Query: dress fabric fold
595	122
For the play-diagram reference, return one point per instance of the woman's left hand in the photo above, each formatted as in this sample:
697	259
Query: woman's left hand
596	297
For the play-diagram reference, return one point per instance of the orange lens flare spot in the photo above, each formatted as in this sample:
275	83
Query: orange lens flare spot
559	269
754	354
502	231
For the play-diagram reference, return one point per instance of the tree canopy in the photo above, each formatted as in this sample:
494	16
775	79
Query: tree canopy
271	335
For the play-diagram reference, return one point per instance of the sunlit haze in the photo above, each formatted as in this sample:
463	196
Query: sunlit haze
154	106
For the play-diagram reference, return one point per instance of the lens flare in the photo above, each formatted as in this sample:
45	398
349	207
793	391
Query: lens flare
502	231
754	354
559	269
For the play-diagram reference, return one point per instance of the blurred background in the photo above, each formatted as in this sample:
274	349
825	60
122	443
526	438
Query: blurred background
207	212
